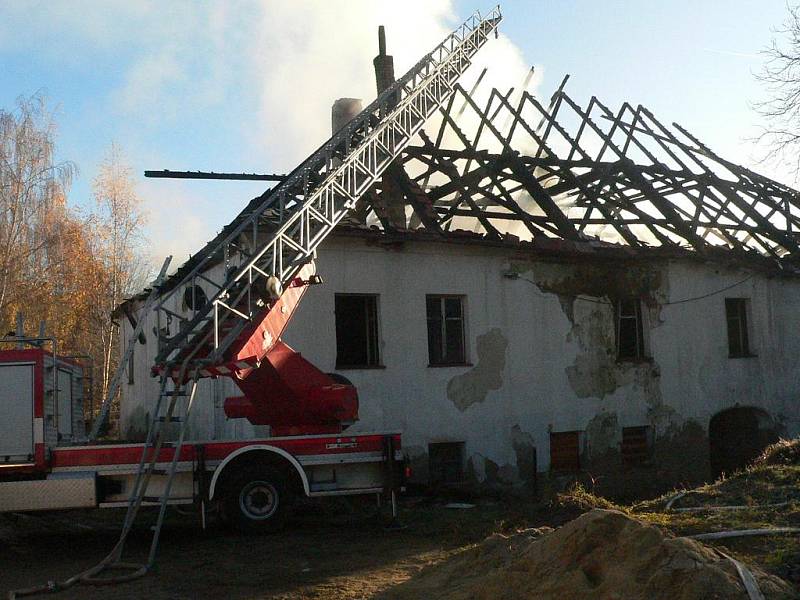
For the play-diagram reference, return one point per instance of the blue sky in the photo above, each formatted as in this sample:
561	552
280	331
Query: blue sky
247	85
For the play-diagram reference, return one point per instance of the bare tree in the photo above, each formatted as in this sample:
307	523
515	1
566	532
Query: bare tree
781	78
33	188
120	244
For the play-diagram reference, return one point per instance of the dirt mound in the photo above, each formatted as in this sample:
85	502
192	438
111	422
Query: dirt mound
782	452
603	554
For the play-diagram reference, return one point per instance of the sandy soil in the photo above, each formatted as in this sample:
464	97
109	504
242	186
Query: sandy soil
334	552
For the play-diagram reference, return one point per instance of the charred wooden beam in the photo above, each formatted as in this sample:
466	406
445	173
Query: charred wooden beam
167	174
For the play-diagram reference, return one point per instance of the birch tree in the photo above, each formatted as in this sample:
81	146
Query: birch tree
119	233
33	190
68	267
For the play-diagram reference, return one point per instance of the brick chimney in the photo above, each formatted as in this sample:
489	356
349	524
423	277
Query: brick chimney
384	64
391	198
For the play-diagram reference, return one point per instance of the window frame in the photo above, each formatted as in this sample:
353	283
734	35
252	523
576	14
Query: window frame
463	360
580	440
743	320
378	362
642	353
630	458
461	471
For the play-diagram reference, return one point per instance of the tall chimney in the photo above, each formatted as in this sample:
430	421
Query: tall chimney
384	64
391	198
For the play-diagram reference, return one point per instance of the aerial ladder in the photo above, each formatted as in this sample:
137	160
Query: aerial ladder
243	290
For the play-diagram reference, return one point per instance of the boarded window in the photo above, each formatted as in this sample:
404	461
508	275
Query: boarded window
356	331
629	329
636	446
446	462
736	315
445	330
565	451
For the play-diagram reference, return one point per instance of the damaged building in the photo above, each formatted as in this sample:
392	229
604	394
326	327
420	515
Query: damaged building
545	287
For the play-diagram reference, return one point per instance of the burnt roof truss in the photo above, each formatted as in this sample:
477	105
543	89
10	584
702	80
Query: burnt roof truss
508	165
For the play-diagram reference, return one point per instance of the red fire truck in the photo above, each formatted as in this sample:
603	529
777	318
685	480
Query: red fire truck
43	467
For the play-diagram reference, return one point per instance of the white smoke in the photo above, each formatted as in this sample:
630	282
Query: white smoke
312	52
281	64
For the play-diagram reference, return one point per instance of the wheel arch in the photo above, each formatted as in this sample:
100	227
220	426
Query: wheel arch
249	452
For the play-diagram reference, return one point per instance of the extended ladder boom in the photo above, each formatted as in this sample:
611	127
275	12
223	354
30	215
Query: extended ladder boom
266	247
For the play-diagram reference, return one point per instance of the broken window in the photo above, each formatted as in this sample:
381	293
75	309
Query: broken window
356	331
629	329
446	330
130	363
194	297
446	462
636	446
736	314
565	450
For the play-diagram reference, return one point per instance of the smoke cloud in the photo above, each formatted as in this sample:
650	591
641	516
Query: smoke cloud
249	84
313	52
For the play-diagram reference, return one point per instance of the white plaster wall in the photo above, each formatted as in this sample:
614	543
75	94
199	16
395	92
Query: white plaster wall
688	346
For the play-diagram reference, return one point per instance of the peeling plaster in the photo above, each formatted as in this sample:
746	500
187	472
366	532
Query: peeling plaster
507	474
595	372
476	467
137	425
492	471
472	387
603	433
523	445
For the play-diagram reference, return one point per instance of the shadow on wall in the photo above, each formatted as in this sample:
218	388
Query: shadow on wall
737	436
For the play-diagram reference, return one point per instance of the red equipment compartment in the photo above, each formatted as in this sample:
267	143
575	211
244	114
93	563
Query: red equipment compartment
292	396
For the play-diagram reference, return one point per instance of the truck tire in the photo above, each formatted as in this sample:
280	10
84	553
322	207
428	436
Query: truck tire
258	501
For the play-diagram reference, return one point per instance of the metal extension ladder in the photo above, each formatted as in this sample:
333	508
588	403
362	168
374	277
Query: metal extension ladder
151	463
278	233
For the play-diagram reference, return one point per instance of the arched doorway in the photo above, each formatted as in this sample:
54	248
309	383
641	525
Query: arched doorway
738	435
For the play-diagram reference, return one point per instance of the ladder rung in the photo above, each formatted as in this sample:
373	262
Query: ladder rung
164	444
173	419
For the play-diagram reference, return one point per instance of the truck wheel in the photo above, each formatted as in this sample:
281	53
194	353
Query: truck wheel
258	501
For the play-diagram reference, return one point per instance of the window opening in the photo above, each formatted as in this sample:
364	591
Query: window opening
629	329
445	330
357	342
736	315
